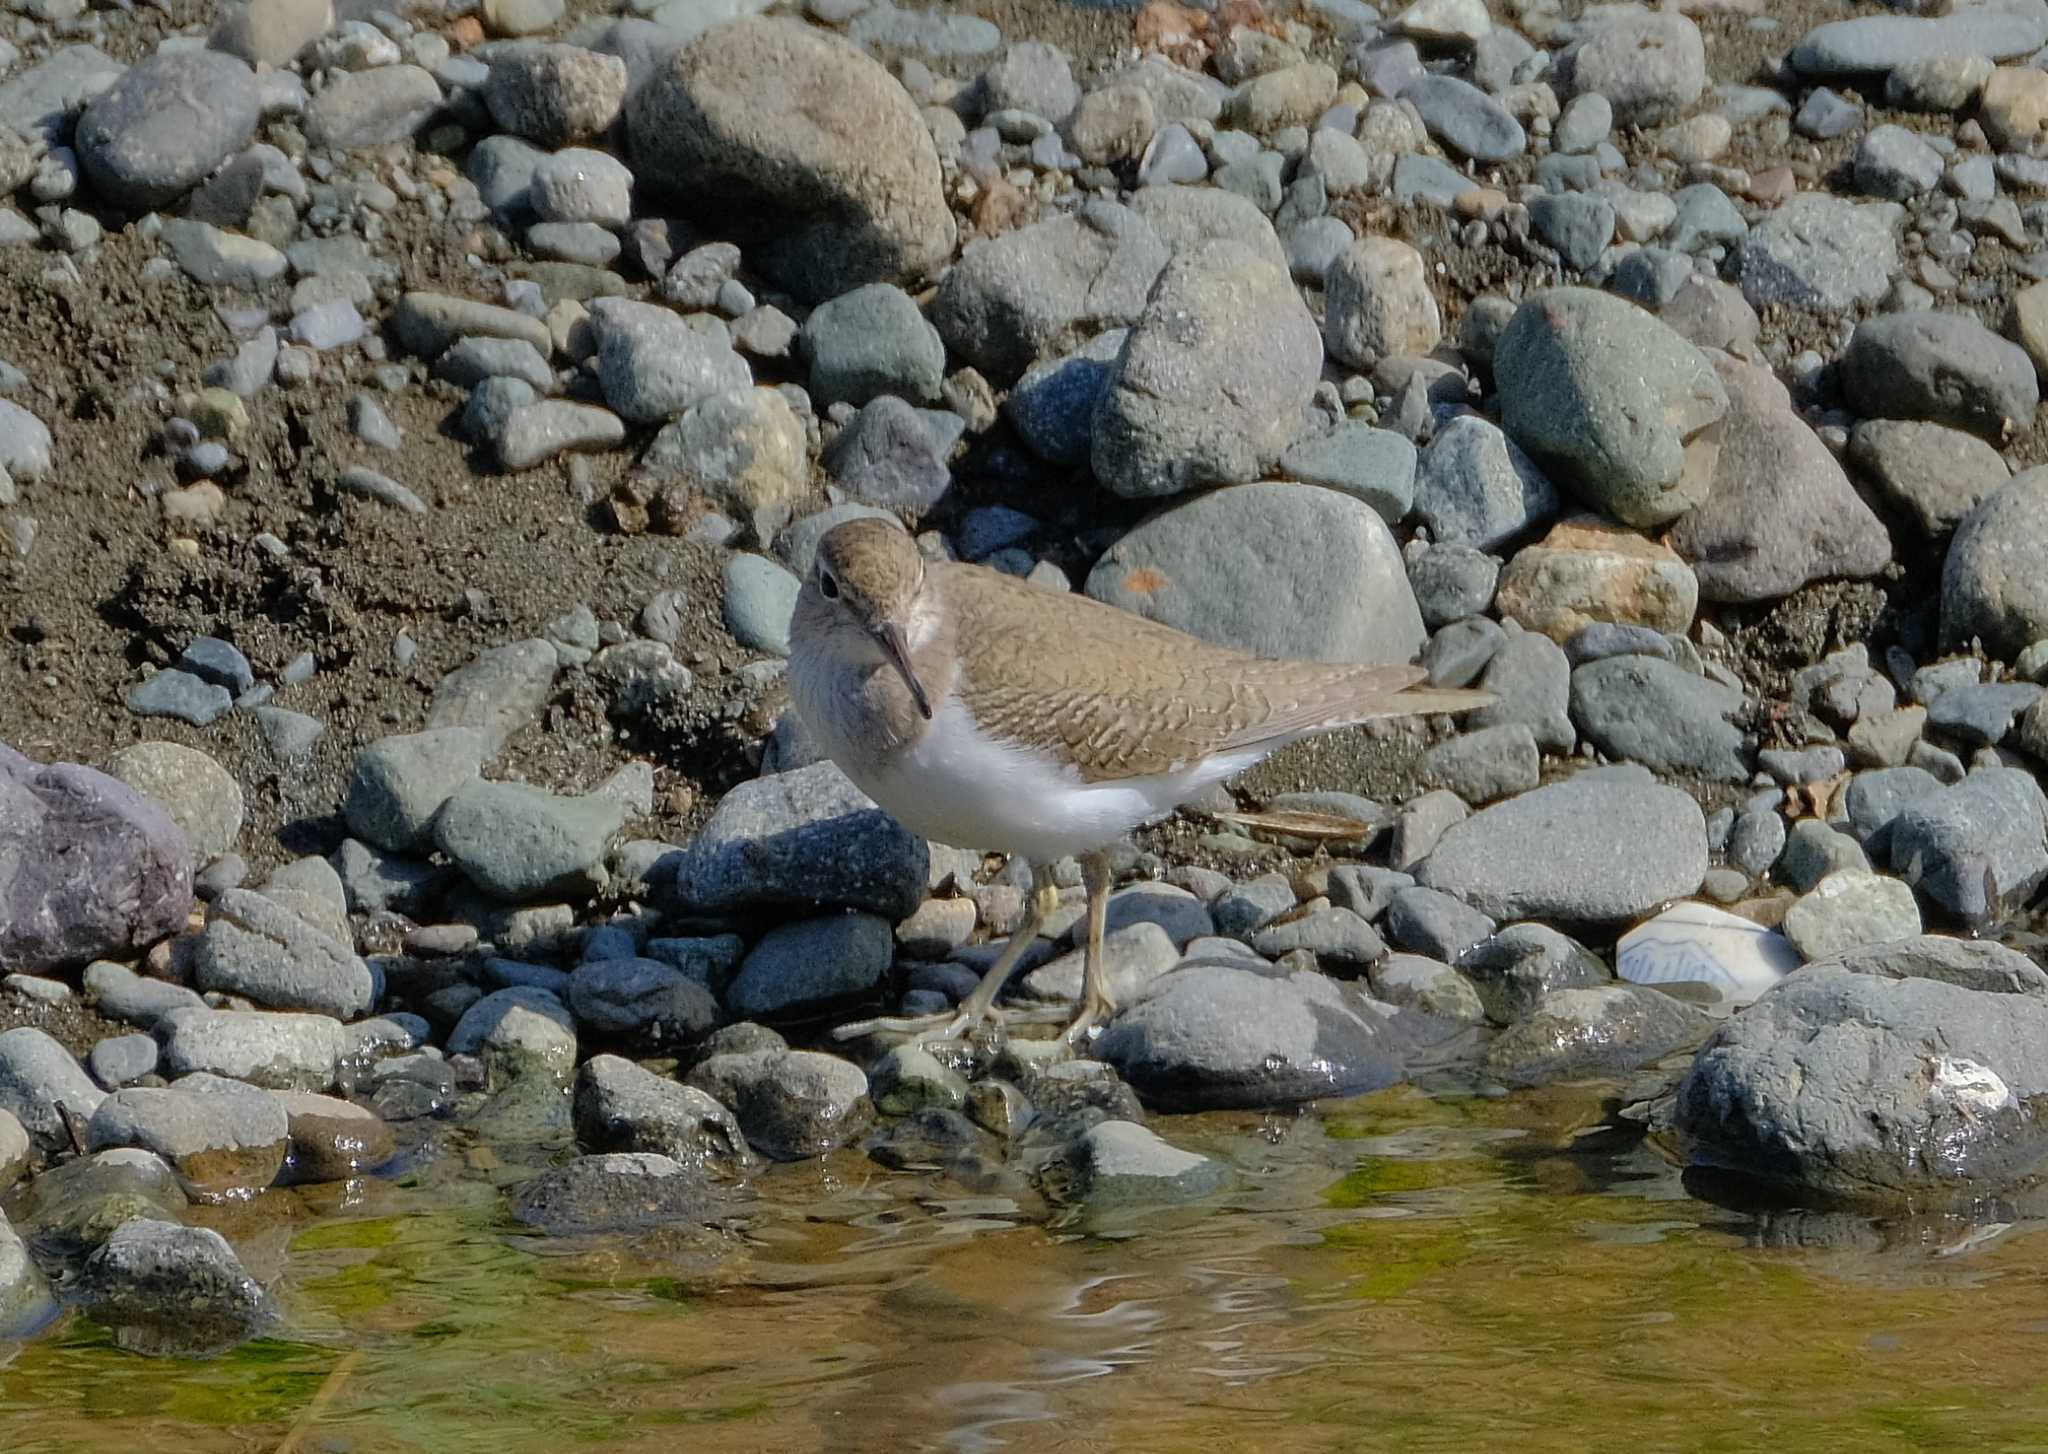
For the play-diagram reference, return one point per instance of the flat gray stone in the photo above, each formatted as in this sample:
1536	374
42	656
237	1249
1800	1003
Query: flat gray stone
1946	368
1599	848
165	125
1660	715
264	1048
1992	586
1992	827
518	843
1821	253
1595	1033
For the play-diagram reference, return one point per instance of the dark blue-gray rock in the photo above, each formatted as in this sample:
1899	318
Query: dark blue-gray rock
1650	65
373	107
1579	226
1314	245
399	784
621	1106
1874	44
1612	402
1660	715
1992	586
518	843
1780	512
649	1001
1213	378
1474	486
1706	218
802	838
800	967
89	867
1851	1087
1419	178
555	94
1376	465
1052	407
820	144
890	456
114	1062
1120	1164
625	1191
1218	1036
790	1104
1480	766
120	994
1274	568
168	1291
1598	1032
258	949
1986	835
872	341
1602	847
1522	966
1603	639
499	691
1972	964
1651	276
1528	672
165	125
1813	850
1425	921
1756	841
653	364
1466	119
179	694
1458	654
1013	299
1821	253
1944	367
1935	473
1982	713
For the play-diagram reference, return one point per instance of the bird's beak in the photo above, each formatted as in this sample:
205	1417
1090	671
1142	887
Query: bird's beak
890	637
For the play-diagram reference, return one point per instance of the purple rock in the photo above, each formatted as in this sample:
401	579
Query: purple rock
88	866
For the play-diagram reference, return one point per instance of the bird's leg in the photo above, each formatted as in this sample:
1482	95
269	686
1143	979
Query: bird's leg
1097	1008
978	1006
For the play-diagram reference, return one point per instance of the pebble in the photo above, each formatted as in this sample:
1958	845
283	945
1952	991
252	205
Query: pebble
554	95
1989	588
165	125
1650	66
1658	714
357	480
370	108
1378	304
1586	571
1821	253
1942	368
171	1290
1848	910
1376	465
1993	825
179	694
790	1104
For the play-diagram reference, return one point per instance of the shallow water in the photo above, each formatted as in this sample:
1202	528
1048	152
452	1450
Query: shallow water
1398	1271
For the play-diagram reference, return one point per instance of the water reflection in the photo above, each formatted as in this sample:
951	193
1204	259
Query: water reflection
1403	1271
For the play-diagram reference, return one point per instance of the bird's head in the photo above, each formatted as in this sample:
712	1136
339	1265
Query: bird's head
861	596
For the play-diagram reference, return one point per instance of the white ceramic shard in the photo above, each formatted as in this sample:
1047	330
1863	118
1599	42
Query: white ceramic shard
1694	943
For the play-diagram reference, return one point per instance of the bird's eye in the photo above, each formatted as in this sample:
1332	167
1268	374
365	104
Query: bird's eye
828	585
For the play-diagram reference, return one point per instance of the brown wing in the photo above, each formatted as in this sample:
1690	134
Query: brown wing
1126	697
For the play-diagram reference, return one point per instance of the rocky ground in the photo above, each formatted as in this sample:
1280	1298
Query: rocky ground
413	429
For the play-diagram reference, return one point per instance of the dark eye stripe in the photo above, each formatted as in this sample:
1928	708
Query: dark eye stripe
829	586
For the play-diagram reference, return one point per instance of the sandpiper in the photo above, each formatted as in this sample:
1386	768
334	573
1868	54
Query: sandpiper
988	714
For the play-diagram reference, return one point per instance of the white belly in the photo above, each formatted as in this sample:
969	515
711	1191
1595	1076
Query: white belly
960	787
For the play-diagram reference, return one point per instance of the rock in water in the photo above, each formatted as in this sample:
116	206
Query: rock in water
1850	1087
776	114
89	868
172	1291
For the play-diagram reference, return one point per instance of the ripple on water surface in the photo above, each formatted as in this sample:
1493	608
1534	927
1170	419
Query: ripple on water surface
1400	1272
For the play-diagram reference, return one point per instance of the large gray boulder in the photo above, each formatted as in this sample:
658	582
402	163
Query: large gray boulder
809	134
1851	1087
1213	378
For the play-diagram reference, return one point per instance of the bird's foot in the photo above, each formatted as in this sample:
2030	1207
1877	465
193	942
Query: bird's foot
1096	1013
